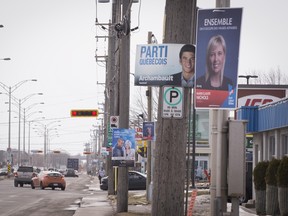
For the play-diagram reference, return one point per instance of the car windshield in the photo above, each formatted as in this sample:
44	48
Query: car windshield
54	174
25	169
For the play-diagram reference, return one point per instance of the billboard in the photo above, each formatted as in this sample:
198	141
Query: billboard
217	51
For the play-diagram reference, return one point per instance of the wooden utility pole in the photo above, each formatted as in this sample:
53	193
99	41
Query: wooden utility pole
171	140
111	90
124	91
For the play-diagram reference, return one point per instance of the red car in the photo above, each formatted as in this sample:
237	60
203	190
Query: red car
52	179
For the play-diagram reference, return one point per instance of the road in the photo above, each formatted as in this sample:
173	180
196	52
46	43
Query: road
23	201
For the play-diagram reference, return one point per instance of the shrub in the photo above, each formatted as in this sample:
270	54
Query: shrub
282	173
271	172
259	175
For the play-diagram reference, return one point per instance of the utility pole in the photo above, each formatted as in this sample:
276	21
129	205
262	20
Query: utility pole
218	142
124	91
171	140
149	103
110	91
111	87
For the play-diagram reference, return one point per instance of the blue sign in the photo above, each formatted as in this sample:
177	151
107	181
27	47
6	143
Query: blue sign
217	51
123	147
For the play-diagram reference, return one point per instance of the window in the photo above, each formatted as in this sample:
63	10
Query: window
202	127
272	146
285	144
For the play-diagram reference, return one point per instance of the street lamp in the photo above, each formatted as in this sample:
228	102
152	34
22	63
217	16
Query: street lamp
248	77
27	116
47	127
21	101
10	90
29	133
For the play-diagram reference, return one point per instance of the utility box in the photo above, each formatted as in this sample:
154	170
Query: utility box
236	159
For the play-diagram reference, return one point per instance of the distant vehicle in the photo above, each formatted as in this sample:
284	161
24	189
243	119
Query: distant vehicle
3	171
23	175
53	169
73	163
137	181
49	179
70	173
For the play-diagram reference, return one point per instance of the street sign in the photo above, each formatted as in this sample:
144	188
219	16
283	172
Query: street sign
172	102
114	121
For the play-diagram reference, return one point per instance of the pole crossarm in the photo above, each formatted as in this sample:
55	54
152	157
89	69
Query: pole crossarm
11	89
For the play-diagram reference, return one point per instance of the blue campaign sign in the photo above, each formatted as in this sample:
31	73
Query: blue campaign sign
149	131
217	51
123	147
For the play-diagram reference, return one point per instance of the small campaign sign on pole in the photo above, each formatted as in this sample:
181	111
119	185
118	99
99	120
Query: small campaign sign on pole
172	102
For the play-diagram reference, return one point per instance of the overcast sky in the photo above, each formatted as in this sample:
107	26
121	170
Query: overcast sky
54	42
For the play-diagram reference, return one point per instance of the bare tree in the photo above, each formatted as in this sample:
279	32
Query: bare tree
140	104
273	76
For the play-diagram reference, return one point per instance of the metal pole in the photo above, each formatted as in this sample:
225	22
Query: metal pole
149	103
29	142
19	130
188	153
24	121
9	127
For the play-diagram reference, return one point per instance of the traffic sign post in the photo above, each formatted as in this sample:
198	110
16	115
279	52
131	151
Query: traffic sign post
172	102
114	123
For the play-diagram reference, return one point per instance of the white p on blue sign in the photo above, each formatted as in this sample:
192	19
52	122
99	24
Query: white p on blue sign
172	102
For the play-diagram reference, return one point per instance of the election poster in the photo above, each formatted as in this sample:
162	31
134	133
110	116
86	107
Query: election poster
123	147
217	54
159	64
149	131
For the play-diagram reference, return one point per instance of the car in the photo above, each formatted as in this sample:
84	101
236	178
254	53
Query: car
70	173
137	181
23	175
3	171
49	179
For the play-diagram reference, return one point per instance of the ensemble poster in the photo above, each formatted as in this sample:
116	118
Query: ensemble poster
217	53
158	65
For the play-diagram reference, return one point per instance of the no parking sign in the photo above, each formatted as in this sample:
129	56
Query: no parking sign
172	102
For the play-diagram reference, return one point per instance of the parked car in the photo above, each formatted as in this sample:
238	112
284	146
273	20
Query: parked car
137	181
3	171
23	175
70	173
50	179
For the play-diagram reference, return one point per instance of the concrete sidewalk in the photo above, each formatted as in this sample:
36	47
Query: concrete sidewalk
98	203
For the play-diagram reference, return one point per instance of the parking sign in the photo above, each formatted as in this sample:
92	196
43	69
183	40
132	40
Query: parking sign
172	102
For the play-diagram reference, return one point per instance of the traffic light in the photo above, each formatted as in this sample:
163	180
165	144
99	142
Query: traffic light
84	113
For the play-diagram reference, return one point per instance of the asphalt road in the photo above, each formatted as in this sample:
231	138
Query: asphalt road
24	201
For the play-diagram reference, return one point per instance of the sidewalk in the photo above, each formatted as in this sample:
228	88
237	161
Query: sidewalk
98	202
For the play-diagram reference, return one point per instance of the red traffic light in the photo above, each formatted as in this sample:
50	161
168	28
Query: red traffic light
84	113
